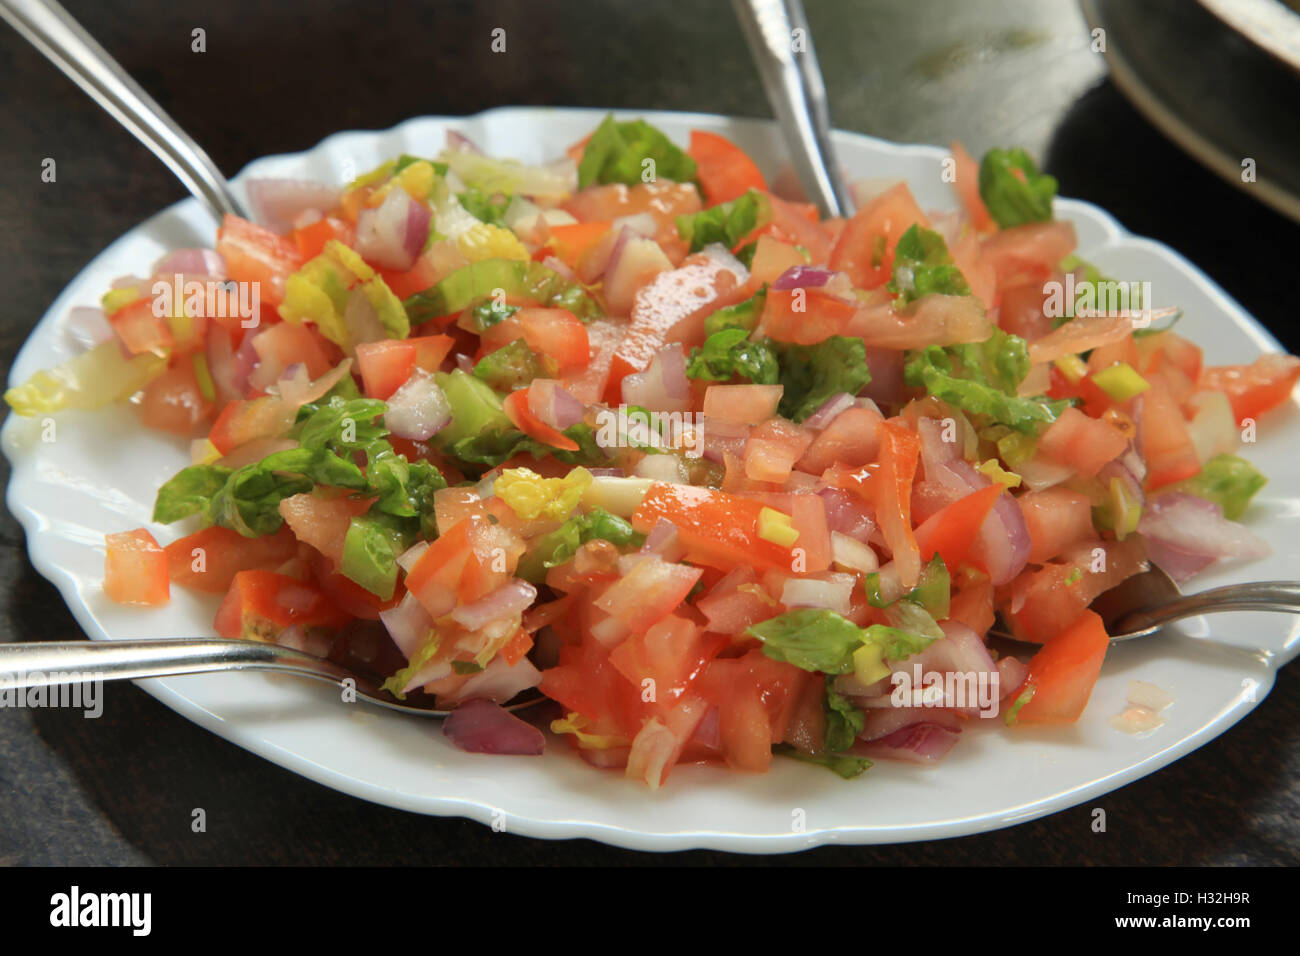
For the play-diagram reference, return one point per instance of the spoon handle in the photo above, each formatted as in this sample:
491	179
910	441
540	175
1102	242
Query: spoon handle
50	663
50	28
794	86
1256	596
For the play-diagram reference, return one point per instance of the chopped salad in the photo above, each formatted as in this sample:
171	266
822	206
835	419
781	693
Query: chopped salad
722	479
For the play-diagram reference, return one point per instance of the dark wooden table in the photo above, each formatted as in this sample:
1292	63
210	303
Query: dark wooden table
279	77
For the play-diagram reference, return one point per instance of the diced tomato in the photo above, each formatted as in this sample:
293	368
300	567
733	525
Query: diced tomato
174	402
772	257
648	592
887	486
756	697
671	308
866	246
1031	251
733	609
805	316
661	741
773	448
967	185
311	239
718	529
521	416
1050	599
386	366
261	604
139	329
351	597
557	333
852	438
587	683
1083	443
664	200
723	168
568	243
256	254
289	343
241	422
1255	388
952	531
321	521
1169	347
208	560
796	223
1166	445
588	384
972	605
743	404
1064	672
1058	519
435	577
515	649
1022	311
664	660
135	569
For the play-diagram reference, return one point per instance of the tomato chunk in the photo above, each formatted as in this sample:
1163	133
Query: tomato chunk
135	569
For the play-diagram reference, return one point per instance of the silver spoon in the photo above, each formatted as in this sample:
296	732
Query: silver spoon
794	86
50	28
1146	602
72	662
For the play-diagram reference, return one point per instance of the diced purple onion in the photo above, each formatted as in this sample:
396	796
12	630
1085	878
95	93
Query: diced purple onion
839	402
393	234
663	386
483	727
550	402
803	277
194	262
406	560
560	268
460	141
1185	533
922	742
847	513
508	601
408	623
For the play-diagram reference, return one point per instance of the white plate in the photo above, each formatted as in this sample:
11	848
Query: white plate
101	472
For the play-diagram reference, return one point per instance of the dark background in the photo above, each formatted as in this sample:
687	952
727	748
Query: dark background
278	77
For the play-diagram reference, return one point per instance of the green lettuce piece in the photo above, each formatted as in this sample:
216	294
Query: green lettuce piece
487	314
814	639
727	222
730	352
476	410
560	545
370	556
813	373
843	721
616	152
897	644
425	654
188	492
509	367
922	265
482	281
406	159
934	591
1013	189
981	379
845	766
1230	482
742	315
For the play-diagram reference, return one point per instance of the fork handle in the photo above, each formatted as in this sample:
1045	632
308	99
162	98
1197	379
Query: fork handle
44	664
1256	596
53	31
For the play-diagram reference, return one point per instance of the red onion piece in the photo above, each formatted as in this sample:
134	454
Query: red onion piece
1183	530
708	733
607	472
839	402
803	277
642	224
662	540
461	142
86	326
548	400
925	742
560	268
393	234
1002	545
419	409
499	682
847	513
298	390
1011	675
464	363
834	594
482	727
406	560
882	722
508	601
278	202
194	262
221	365
245	360
723	257
722	437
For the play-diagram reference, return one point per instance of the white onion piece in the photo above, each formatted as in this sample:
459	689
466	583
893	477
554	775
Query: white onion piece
663	386
642	224
408	623
299	390
855	555
419	409
407	559
195	262
278	202
665	467
1041	472
86	326
508	601
393	234
722	255
834	594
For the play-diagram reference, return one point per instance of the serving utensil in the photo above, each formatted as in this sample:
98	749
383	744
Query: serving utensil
781	44
1146	602
69	662
53	31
